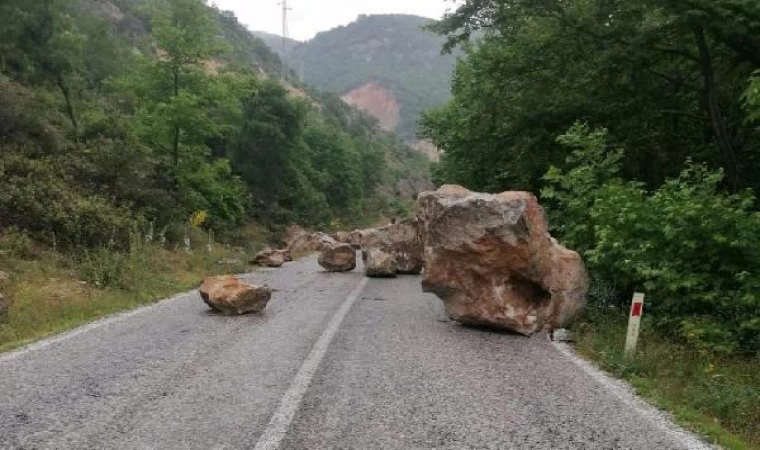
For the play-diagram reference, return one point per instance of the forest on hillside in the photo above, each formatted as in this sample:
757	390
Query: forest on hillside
128	114
394	50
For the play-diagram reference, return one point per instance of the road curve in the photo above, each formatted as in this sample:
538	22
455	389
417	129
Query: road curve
332	364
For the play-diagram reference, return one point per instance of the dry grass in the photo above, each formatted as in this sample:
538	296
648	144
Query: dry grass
49	293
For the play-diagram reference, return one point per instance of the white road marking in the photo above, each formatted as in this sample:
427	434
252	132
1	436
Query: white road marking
100	323
625	393
278	426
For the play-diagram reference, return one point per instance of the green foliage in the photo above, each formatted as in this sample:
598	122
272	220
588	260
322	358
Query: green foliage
752	99
666	79
692	248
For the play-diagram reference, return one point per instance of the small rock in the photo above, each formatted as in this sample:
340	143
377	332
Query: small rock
4	276
270	258
379	264
562	335
338	258
231	296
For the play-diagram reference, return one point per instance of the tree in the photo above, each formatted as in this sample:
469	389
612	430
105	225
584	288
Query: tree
665	78
185	34
41	43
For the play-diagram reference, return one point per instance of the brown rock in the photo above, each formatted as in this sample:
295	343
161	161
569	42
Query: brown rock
269	258
343	237
299	241
338	258
492	261
231	296
356	239
379	264
402	240
4	276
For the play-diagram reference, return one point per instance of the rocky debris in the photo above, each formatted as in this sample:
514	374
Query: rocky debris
271	258
231	296
379	264
344	237
338	258
3	306
4	276
492	262
285	254
298	240
402	240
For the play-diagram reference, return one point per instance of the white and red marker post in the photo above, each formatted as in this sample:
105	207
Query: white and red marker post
634	323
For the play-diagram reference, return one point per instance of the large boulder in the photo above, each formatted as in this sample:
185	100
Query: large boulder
231	296
401	240
379	264
271	258
338	258
491	260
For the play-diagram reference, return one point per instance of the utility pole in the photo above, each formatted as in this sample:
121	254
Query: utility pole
285	35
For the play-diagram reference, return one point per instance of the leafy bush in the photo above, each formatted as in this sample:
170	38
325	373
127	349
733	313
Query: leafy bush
692	248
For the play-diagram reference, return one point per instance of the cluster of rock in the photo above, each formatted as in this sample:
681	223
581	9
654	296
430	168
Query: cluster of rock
492	261
490	258
228	295
299	241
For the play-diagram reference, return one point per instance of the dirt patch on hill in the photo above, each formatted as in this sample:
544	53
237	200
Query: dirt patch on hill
377	101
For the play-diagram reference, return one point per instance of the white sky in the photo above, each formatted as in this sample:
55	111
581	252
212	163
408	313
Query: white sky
308	17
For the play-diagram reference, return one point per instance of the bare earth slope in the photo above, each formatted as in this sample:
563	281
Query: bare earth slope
394	374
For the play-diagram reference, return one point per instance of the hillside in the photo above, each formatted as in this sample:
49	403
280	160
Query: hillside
190	106
275	41
386	65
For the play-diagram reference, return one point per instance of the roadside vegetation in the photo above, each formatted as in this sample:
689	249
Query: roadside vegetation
638	123
51	291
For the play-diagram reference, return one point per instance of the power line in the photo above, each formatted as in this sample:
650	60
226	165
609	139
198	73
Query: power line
285	34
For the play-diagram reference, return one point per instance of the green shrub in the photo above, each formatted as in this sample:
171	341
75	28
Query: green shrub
693	249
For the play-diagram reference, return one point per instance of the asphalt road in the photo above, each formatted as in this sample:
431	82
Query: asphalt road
335	362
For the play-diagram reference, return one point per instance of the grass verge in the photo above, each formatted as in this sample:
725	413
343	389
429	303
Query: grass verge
714	395
50	293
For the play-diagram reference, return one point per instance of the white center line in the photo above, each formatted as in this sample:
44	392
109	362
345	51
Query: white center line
278	426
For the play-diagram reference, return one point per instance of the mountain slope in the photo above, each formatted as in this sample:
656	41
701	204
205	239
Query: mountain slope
377	61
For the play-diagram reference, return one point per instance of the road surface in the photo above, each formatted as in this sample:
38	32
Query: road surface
336	362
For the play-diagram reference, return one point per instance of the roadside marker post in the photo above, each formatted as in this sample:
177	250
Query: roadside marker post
634	323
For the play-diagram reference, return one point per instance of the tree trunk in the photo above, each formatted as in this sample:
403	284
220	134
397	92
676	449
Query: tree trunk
177	130
714	112
69	105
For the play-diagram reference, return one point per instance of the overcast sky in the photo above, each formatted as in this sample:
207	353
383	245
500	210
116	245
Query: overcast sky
308	17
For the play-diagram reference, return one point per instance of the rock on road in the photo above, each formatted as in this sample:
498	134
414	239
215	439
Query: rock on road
395	374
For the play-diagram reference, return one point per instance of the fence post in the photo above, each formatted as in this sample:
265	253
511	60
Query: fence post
634	323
